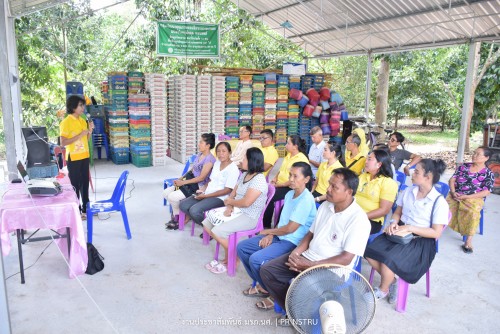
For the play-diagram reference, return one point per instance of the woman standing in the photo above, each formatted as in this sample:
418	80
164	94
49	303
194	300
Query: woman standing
377	190
422	211
195	178
249	197
469	186
296	148
399	155
223	179
296	218
332	153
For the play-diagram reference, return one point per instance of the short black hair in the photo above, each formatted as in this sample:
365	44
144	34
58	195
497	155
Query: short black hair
225	143
399	136
255	159
349	179
436	167
385	159
209	138
299	142
247	127
269	132
306	171
382	147
72	103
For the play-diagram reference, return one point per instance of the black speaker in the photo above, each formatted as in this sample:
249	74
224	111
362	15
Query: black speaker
38	146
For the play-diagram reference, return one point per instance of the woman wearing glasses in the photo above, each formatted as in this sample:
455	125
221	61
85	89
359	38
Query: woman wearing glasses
469	185
268	149
399	155
377	190
243	145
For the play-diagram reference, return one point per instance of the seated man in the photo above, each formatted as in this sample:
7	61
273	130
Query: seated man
316	150
354	158
339	234
243	145
268	149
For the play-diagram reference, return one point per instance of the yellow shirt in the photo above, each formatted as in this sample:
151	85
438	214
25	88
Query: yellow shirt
69	128
370	192
270	156
324	174
359	165
288	161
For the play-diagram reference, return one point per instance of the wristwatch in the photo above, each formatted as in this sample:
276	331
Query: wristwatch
316	199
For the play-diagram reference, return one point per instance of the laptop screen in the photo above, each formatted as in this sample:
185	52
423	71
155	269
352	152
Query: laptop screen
22	171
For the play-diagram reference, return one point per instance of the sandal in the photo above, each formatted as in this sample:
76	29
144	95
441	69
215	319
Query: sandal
219	269
212	264
467	250
263	305
173	226
83	215
255	292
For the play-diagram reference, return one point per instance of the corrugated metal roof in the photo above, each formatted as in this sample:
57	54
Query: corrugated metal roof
327	28
23	7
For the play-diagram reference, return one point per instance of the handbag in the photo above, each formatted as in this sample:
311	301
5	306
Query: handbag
216	216
189	189
95	263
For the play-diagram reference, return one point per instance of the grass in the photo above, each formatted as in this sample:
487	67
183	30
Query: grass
446	138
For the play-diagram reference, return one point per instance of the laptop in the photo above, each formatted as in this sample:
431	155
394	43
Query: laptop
39	187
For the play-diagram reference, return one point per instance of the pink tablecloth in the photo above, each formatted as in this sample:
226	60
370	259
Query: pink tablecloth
19	211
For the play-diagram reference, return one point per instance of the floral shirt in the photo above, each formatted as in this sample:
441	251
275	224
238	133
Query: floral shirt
469	183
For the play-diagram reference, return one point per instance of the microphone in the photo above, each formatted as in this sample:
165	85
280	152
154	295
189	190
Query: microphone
89	118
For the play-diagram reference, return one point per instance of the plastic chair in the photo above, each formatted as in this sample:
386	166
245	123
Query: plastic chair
401	178
443	188
170	182
222	137
182	220
115	203
233	238
277	209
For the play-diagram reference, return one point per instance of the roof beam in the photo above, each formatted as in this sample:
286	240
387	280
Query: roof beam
360	24
298	3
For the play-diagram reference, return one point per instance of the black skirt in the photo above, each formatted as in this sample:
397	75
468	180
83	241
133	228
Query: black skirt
410	261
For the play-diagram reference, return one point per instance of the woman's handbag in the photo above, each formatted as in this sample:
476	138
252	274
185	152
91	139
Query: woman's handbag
189	189
216	216
402	238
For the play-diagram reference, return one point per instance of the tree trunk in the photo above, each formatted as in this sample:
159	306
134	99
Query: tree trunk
475	83
443	119
382	93
424	121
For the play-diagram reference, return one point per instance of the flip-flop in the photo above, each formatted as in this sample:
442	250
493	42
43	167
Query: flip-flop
84	216
261	304
248	293
467	250
211	265
219	269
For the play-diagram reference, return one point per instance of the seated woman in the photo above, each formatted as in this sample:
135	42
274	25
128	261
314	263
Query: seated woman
332	153
354	158
296	218
296	148
399	155
196	177
249	196
377	190
223	179
469	185
422	211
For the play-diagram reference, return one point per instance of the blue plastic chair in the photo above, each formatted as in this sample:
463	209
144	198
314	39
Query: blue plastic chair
170	182
401	178
443	188
115	203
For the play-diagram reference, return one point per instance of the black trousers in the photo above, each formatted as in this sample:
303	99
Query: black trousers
78	172
276	277
278	196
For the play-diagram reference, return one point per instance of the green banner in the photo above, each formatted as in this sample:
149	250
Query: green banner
187	39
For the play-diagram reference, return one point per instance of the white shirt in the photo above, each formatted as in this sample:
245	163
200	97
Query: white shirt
316	154
240	150
336	232
417	212
220	179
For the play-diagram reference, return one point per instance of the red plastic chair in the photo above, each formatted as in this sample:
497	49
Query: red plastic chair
233	238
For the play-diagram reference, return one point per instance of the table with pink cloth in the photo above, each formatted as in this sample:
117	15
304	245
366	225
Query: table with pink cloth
20	211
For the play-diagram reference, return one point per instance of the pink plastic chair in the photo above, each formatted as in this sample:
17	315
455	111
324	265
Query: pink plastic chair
277	209
233	238
224	137
404	286
182	222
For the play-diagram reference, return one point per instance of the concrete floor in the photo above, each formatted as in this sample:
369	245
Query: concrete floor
156	283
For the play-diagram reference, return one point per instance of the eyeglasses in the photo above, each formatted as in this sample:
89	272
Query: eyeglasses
393	139
243	131
348	142
263	138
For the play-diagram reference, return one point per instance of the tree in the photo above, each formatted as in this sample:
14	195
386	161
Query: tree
382	93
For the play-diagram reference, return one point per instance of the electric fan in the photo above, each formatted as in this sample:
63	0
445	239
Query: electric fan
330	299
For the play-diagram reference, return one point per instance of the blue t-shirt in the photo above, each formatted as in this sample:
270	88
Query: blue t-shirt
301	210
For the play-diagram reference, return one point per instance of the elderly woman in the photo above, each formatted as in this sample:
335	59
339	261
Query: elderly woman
296	218
296	148
399	155
354	158
223	179
422	211
377	190
249	197
332	152
195	178
469	185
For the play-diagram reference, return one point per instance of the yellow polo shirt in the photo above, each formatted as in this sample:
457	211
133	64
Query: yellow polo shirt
288	161
370	192
324	174
69	128
359	165
270	156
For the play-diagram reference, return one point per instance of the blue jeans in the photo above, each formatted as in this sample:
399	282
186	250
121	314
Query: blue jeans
253	256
